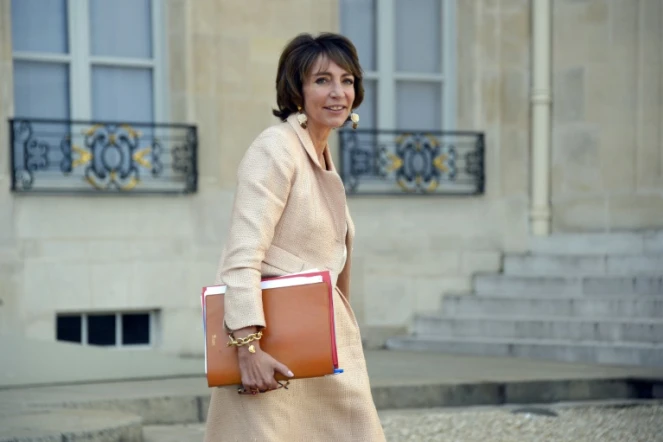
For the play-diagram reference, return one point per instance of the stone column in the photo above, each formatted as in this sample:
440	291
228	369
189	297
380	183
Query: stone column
6	111
540	212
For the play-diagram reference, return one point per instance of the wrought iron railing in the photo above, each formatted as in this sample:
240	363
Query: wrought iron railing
412	162
102	157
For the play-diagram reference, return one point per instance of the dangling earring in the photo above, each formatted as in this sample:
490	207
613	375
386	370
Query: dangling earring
301	117
354	116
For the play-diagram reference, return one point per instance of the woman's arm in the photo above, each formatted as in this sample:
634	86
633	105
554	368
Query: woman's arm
264	179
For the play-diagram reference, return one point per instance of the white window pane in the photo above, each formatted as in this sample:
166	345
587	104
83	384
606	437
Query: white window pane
121	28
418	36
41	90
367	109
419	105
358	24
39	25
122	94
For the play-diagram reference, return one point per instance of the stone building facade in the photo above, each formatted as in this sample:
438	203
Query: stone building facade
82	254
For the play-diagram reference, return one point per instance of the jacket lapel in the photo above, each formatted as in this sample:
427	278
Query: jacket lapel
334	191
304	138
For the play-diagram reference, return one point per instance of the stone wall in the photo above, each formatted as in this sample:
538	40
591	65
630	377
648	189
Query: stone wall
607	158
72	253
11	268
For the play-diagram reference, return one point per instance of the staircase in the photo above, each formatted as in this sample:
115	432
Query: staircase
589	298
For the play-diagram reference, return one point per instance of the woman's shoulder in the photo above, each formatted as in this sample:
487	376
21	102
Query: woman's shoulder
280	136
277	144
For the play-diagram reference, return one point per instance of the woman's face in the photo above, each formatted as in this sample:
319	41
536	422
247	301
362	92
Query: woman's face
329	92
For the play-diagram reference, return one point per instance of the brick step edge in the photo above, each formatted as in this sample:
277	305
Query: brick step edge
564	328
589	320
624	354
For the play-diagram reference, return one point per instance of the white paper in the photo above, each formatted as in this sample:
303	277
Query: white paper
271	284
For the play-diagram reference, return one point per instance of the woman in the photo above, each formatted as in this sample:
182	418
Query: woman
290	215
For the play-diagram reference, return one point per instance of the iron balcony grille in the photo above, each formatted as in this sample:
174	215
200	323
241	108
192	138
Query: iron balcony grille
377	162
102	157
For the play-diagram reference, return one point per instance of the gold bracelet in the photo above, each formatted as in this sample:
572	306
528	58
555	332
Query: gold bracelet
244	341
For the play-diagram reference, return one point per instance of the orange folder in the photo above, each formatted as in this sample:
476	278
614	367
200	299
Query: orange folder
299	316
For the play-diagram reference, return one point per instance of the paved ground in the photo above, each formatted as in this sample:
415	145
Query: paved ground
386	369
596	424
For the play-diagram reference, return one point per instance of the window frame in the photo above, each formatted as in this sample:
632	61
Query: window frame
80	62
386	75
153	326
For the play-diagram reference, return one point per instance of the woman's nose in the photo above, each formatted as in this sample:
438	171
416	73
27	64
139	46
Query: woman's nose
335	90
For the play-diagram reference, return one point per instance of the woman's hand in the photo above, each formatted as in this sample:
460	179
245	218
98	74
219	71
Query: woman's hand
258	369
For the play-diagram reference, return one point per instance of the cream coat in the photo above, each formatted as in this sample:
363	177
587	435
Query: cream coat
290	215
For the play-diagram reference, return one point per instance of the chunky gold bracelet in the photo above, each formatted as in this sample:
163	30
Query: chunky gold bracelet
244	341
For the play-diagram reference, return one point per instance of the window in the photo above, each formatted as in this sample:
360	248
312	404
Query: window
88	59
125	329
407	49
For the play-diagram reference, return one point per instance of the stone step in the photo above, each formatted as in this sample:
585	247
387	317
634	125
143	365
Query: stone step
497	284
650	355
565	306
570	265
630	243
57	425
543	327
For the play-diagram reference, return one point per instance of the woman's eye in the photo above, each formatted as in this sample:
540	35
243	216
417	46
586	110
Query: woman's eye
320	80
348	81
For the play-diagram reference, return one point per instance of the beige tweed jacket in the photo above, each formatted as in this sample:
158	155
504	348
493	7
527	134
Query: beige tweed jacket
290	215
287	217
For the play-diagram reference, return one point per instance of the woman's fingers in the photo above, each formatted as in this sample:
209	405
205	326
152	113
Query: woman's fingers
258	372
268	381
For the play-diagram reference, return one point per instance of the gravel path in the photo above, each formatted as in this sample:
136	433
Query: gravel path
637	424
597	424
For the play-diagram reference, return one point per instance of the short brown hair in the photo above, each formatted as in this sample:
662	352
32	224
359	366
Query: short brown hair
297	60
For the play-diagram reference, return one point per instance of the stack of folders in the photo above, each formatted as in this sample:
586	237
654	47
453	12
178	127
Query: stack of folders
300	333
